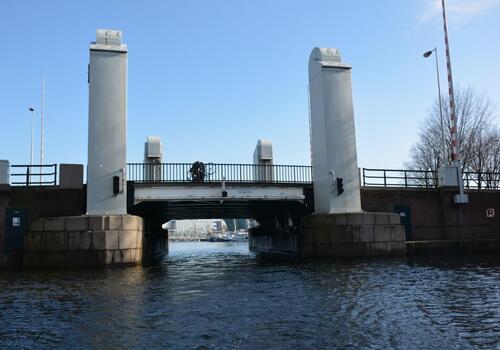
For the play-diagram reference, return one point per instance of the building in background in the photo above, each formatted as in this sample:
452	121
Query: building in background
194	229
200	229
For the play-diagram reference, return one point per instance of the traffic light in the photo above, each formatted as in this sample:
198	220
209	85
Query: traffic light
340	186
116	185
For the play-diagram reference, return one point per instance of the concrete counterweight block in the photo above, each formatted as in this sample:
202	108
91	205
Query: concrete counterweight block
353	234
88	240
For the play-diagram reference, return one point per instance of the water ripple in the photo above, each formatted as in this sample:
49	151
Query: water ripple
220	296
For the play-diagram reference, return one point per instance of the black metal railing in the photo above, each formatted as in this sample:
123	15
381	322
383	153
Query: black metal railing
33	175
216	172
481	181
425	179
399	178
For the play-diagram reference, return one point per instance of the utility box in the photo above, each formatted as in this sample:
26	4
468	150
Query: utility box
71	176
263	161
4	172
153	156
447	176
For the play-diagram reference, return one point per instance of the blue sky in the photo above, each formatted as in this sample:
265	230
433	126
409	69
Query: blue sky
212	77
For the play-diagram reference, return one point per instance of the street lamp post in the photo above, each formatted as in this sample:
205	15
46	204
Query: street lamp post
32	110
28	176
443	141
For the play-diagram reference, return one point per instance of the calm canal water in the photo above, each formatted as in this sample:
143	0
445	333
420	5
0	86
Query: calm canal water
220	296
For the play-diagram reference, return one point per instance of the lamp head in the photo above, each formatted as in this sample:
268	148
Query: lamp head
428	53
31	109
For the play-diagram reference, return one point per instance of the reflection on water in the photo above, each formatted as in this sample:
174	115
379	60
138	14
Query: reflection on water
220	296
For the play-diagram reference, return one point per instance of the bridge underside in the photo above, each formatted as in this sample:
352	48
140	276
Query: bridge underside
198	201
168	210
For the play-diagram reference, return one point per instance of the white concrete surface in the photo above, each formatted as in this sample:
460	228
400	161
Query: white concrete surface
107	124
333	139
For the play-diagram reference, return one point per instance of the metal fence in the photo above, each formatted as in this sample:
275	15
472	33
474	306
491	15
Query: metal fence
425	179
216	172
477	180
33	175
46	175
399	178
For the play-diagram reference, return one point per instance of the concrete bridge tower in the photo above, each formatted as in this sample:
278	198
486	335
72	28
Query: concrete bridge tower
106	182
333	140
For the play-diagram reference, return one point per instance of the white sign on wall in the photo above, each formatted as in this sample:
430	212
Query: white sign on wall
490	212
16	221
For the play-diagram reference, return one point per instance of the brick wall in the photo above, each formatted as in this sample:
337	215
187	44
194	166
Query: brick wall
434	216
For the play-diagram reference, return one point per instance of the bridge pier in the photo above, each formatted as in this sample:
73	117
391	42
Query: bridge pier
106	235
338	227
84	241
279	232
155	243
330	235
353	234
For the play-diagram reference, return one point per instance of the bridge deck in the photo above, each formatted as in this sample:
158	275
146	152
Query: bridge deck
188	200
213	191
185	190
